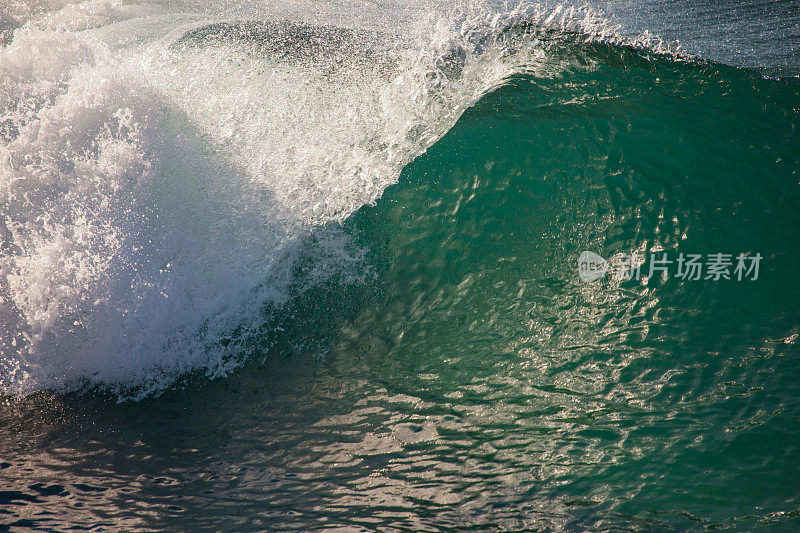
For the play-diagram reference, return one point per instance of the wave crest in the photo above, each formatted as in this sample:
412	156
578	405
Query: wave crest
156	199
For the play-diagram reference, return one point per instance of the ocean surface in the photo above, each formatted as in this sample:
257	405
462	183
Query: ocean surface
315	265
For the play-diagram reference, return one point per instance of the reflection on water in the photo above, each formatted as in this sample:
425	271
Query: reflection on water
510	441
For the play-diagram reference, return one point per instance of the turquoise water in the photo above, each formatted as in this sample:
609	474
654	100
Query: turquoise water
435	362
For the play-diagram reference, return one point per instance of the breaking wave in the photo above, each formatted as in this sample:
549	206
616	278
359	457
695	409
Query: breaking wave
163	172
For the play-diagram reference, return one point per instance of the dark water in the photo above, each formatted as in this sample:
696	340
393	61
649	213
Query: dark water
471	380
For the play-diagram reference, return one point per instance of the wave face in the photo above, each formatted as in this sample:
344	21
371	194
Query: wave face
161	171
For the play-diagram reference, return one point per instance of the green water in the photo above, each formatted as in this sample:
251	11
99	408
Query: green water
473	381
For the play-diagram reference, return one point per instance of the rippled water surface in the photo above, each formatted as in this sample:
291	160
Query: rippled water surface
352	300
